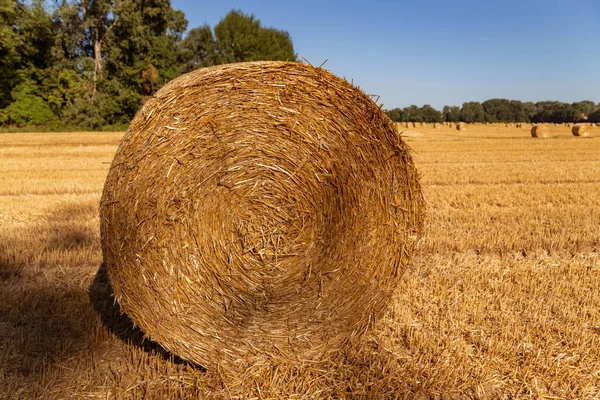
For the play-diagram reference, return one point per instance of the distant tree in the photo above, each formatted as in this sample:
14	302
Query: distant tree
240	37
497	110
430	114
451	114
555	111
98	17
275	45
584	108
518	111
594	116
10	57
27	108
26	40
396	114
198	49
472	112
147	32
413	114
530	109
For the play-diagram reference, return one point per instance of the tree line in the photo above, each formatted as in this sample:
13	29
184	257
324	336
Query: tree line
501	110
92	63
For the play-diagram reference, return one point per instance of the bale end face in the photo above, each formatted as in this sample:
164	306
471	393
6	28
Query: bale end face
258	211
539	131
582	130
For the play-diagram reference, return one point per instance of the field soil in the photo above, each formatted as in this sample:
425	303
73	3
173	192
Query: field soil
502	299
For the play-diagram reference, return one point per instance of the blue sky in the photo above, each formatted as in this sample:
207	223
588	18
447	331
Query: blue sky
439	52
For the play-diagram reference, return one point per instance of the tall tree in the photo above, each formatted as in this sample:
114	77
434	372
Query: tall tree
396	114
147	33
430	114
497	110
240	37
197	49
451	113
99	18
472	112
584	108
413	114
10	56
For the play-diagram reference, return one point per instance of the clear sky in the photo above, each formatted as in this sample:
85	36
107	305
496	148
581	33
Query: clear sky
439	52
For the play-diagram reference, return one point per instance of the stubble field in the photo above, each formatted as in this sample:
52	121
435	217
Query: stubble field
502	299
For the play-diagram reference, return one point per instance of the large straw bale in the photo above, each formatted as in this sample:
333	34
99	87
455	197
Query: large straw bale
461	126
580	130
258	211
539	131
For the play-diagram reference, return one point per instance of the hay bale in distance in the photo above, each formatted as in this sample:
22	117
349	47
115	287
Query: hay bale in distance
539	131
461	126
258	211
582	130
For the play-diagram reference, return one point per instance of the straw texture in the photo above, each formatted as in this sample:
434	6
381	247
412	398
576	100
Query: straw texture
580	130
258	211
539	131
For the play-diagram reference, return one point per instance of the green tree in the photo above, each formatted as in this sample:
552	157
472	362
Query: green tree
472	112
198	49
518	111
10	56
530	110
240	37
430	114
147	32
451	113
555	111
27	108
396	114
98	17
584	108
594	116
413	114
497	110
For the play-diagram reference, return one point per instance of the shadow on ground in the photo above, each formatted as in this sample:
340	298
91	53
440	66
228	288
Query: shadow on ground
45	316
118	323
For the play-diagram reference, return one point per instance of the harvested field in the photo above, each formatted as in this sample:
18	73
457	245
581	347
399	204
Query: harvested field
501	300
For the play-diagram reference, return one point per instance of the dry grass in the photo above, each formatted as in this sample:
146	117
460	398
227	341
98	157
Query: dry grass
502	300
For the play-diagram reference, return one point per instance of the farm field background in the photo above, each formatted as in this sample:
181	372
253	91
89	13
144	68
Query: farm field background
501	301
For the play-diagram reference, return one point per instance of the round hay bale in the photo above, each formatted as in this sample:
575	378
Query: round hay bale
461	126
258	211
539	131
435	126
582	130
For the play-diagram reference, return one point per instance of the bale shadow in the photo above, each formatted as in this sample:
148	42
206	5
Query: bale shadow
40	325
45	316
9	268
102	297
